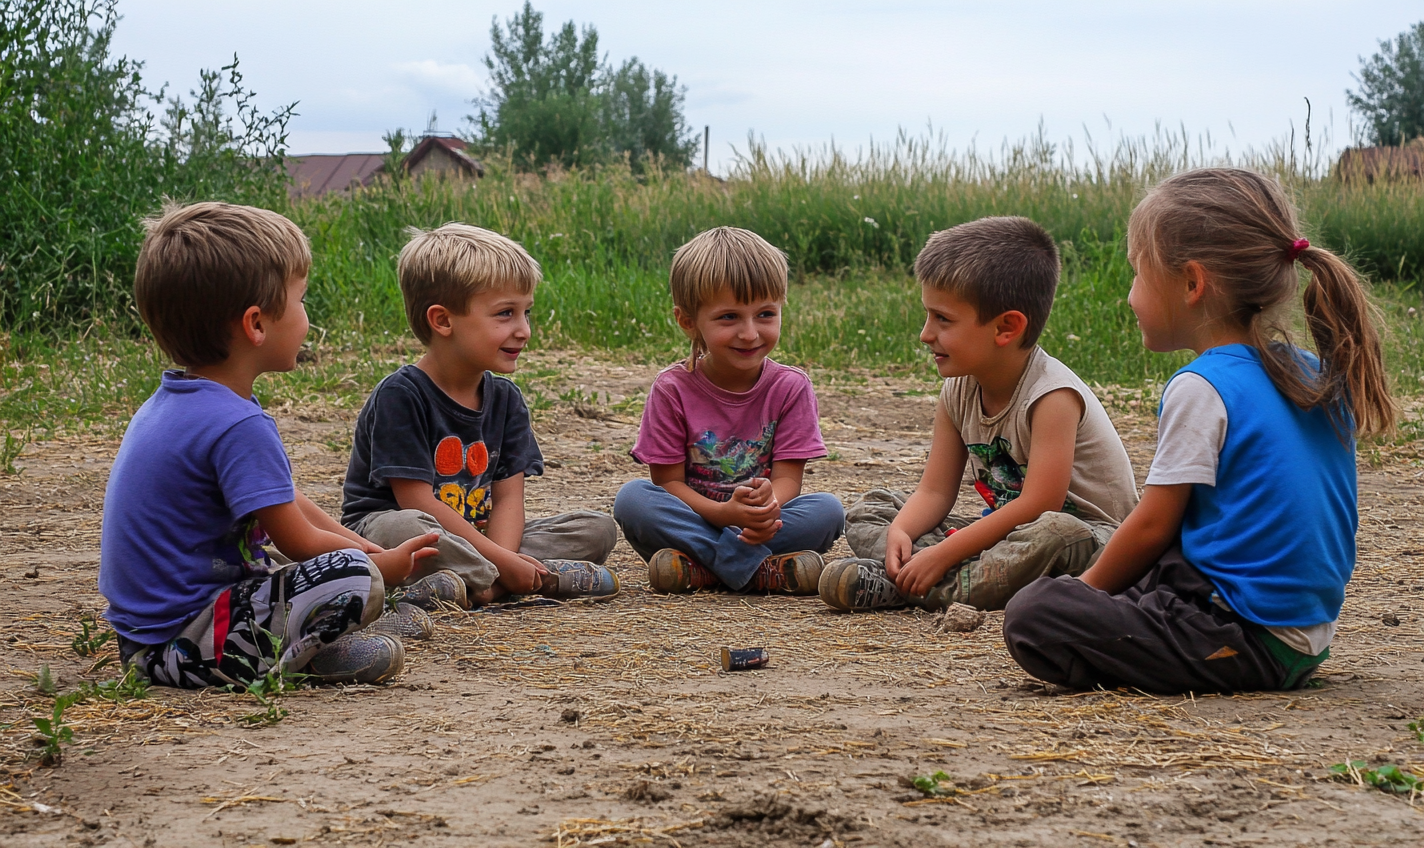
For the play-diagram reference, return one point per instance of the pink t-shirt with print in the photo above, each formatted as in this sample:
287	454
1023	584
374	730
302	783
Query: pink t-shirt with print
727	438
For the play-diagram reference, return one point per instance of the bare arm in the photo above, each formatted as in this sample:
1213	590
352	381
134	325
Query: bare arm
786	478
516	573
933	498
506	518
294	534
321	521
1054	421
1151	528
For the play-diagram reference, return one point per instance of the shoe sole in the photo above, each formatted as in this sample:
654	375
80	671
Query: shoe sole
658	578
838	581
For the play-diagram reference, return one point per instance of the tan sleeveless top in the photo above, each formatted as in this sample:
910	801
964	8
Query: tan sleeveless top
1101	488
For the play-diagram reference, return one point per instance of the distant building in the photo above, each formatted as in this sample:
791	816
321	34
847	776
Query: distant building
1385	164
442	155
323	173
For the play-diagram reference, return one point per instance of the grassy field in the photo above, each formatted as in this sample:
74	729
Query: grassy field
850	227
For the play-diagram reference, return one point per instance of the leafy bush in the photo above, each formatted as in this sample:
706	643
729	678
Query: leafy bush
85	158
1391	94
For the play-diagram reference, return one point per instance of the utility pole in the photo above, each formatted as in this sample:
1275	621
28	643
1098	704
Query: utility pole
706	146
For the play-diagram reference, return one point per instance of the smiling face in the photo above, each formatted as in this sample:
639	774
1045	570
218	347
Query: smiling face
1158	303
492	332
961	344
738	337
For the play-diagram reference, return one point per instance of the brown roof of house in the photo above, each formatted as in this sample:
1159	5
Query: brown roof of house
321	173
454	146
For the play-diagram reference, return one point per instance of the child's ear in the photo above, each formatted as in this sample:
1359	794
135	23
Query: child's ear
251	326
1009	327
688	323
1197	282
438	317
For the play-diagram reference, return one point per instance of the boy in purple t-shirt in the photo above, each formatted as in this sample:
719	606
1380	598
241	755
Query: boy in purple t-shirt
726	435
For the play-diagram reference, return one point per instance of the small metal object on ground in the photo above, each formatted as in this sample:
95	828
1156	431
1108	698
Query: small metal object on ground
741	659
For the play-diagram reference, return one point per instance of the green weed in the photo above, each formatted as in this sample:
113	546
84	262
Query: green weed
937	785
54	732
91	639
44	681
1386	778
269	687
1417	728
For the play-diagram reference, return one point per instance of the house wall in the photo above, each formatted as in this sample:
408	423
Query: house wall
439	162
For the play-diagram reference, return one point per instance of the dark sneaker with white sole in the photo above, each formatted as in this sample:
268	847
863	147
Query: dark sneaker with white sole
859	585
360	657
571	579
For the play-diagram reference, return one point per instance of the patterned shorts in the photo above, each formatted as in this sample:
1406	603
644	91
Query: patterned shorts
281	619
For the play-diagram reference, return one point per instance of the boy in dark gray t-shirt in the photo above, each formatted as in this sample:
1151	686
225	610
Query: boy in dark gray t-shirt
444	445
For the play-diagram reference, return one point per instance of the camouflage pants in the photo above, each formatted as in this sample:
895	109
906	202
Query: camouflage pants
1054	544
306	605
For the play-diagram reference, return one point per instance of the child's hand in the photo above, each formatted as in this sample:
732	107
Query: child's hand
520	574
899	547
923	572
396	564
755	510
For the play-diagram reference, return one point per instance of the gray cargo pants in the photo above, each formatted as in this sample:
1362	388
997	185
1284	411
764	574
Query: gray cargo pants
1056	543
580	535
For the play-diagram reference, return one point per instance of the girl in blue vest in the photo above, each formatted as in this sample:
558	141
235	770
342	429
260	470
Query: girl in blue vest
1230	573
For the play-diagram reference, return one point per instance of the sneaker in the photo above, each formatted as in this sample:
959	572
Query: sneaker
360	657
404	621
859	585
578	579
434	590
674	571
788	574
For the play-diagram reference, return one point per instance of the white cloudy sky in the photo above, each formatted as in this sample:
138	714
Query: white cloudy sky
804	73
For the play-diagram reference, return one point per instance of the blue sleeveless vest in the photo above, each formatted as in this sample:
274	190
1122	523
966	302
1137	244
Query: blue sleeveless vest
1276	534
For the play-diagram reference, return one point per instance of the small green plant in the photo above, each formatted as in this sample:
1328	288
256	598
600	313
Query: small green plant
91	639
54	733
128	687
1417	728
11	449
937	785
269	687
1386	778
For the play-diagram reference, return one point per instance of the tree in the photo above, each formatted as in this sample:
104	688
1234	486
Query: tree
555	101
643	116
1391	94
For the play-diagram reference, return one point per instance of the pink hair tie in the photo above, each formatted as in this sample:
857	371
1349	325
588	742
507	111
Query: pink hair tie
1296	249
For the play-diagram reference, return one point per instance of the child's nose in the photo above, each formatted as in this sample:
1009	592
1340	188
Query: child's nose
925	335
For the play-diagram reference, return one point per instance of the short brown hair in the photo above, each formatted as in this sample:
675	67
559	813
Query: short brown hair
201	266
995	265
448	265
725	258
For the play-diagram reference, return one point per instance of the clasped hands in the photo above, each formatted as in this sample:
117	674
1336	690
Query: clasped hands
754	510
915	574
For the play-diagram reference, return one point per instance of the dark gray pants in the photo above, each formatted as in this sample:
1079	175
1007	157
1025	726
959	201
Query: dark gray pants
1162	635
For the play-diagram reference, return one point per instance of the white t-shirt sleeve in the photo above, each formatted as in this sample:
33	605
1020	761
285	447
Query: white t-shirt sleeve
1190	434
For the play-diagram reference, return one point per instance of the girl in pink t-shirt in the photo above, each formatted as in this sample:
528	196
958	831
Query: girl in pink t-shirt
726	435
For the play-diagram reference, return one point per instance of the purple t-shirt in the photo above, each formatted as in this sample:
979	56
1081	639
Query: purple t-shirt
727	438
196	462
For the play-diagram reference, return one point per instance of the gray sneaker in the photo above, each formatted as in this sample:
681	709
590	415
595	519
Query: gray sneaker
858	585
434	590
405	621
360	657
577	579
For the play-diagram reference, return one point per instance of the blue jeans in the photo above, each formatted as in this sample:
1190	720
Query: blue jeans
653	519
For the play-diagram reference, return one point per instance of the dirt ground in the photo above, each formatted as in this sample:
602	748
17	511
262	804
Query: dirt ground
613	723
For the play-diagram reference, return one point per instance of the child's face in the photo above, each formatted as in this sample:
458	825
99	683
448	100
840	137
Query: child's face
492	332
284	336
961	344
1157	310
739	336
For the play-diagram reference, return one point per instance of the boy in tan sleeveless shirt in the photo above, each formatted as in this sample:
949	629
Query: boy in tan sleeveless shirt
1044	456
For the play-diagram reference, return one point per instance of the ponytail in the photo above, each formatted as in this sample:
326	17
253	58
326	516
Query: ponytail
1242	229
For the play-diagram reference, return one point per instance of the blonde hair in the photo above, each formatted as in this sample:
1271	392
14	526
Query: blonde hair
449	265
995	265
202	266
725	258
1241	228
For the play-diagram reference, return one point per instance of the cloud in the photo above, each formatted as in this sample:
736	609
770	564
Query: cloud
428	75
